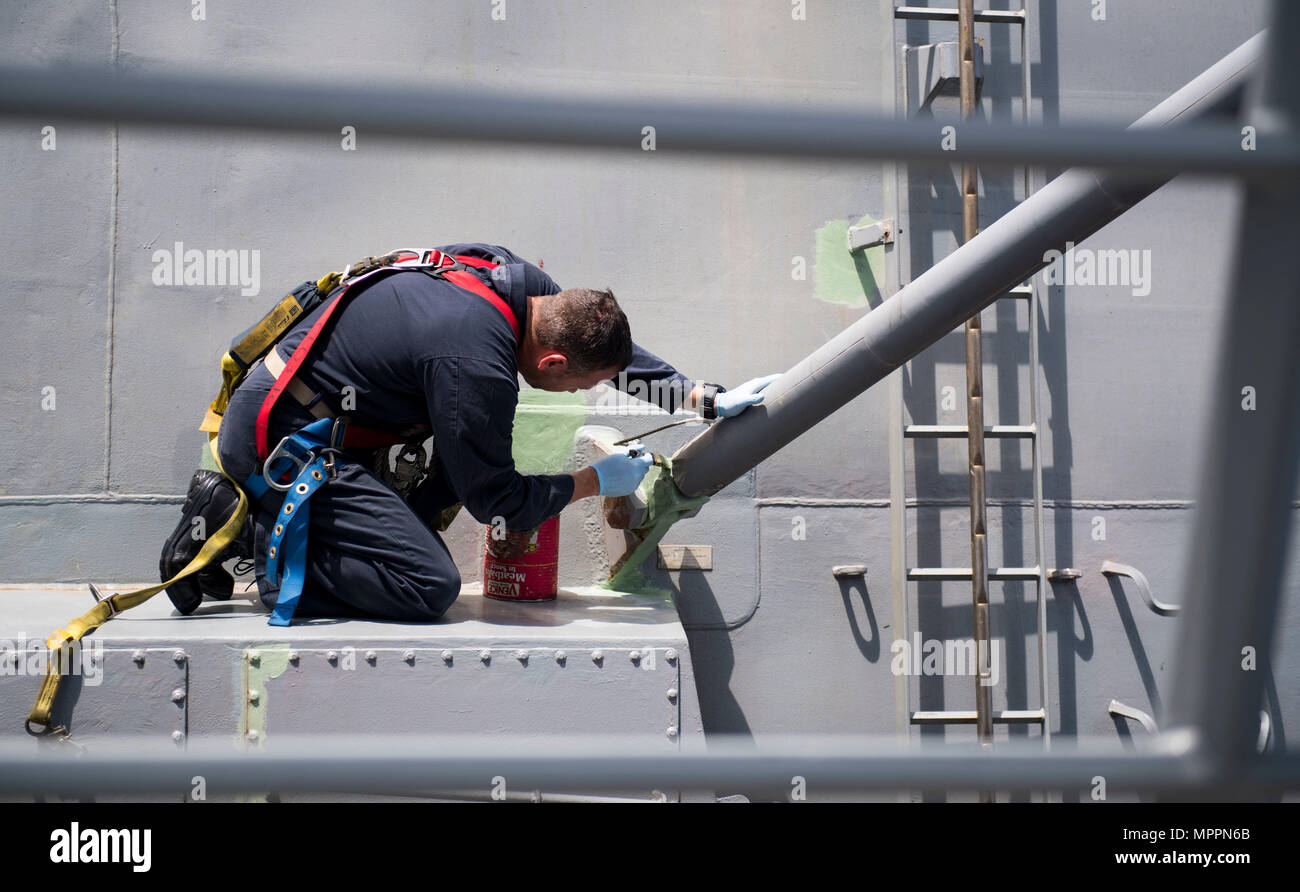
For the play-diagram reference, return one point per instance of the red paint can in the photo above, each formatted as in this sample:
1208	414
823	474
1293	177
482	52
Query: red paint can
523	565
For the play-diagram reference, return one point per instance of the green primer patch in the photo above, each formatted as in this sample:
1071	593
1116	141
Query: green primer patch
546	424
664	506
841	276
206	461
272	661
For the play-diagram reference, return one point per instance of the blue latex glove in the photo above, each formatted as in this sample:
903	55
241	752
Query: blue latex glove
733	402
620	473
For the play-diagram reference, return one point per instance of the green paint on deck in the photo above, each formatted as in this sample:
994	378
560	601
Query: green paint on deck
272	661
632	582
546	424
841	276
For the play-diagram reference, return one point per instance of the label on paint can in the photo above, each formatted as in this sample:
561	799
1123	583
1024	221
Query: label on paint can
523	565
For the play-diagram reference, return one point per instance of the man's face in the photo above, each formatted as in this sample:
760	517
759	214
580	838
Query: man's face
556	377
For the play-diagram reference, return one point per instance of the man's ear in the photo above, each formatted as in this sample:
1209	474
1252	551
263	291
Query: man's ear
553	361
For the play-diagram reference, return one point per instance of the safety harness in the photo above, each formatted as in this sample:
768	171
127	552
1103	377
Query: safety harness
298	466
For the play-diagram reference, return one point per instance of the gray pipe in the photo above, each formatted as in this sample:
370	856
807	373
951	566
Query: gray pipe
1070	208
442	112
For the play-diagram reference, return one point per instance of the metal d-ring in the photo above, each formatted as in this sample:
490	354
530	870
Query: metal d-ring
277	453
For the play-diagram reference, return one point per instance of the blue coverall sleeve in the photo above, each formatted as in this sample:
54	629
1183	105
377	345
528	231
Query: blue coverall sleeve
650	379
495	253
472	410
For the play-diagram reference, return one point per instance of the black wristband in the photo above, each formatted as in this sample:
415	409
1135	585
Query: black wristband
709	400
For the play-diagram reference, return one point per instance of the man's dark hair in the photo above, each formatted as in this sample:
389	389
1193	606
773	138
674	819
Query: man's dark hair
588	327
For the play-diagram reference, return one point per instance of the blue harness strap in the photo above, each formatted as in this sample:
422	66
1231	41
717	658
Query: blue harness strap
312	452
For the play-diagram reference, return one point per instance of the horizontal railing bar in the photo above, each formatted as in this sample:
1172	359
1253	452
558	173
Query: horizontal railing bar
933	574
938	14
441	112
958	431
968	717
378	764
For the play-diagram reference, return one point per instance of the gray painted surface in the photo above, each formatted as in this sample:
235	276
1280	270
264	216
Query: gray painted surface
591	662
777	644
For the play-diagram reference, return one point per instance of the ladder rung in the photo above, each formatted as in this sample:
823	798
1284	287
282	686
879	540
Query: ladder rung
958	431
1004	16
956	574
964	717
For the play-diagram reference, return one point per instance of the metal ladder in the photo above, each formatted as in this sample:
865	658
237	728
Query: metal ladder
983	716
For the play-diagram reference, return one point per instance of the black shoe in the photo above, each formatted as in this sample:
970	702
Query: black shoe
214	580
213	498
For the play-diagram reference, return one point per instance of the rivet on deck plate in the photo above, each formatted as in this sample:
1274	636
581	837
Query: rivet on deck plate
408	656
635	656
560	657
178	696
521	656
178	736
178	656
293	656
332	656
485	655
672	731
671	655
371	656
254	656
446	657
252	734
672	694
253	695
597	656
138	657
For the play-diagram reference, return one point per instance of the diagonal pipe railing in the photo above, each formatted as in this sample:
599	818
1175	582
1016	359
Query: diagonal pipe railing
1009	251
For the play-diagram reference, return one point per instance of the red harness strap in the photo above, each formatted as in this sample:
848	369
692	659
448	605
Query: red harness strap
361	437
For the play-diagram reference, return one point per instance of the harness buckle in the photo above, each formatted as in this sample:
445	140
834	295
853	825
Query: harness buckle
282	452
334	445
98	596
51	730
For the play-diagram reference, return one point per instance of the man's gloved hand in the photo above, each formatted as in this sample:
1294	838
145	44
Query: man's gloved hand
733	402
621	472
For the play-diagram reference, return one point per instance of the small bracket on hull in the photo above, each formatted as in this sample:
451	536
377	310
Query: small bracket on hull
1132	712
932	71
871	235
1111	568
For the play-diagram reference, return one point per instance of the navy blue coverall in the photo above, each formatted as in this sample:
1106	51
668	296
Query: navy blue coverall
417	351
